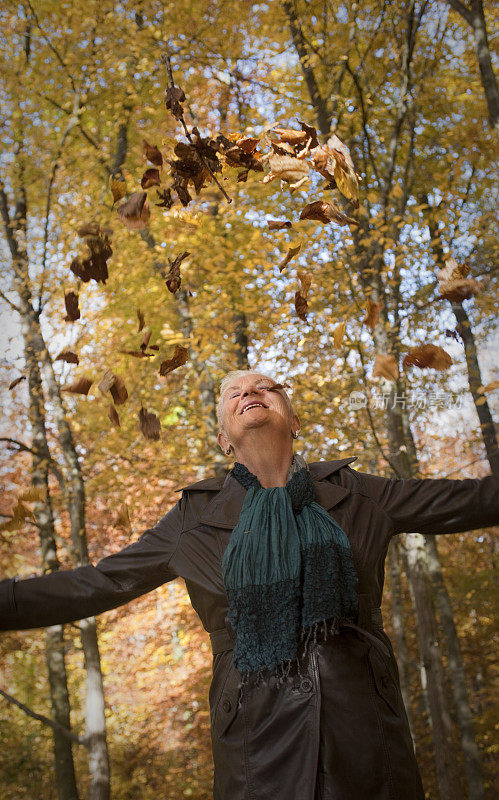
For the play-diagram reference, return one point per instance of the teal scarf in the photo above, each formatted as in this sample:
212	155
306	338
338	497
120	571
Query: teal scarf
287	569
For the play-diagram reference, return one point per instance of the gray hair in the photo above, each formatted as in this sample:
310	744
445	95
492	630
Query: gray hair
237	373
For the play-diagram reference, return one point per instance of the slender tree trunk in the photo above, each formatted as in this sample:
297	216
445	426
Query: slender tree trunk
54	639
15	232
399	627
475	17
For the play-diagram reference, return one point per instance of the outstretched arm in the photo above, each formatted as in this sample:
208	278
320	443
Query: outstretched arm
68	595
434	505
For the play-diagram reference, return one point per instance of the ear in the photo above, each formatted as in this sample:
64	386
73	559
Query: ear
296	425
223	441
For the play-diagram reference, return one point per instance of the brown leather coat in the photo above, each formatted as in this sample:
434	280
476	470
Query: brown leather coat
336	731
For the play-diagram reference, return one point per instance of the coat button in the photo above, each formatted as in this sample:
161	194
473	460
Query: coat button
306	685
226	705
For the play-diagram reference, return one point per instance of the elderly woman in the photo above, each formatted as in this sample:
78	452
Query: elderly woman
284	563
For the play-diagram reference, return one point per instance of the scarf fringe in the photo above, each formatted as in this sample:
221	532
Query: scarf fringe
281	672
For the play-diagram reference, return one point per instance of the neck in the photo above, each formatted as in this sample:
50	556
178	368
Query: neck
268	460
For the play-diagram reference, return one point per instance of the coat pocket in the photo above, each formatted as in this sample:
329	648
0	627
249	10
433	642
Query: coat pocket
227	705
384	682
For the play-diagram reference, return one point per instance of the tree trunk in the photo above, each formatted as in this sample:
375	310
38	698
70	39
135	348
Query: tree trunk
15	232
399	627
65	777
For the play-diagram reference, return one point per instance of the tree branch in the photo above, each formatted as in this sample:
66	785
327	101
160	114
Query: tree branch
73	737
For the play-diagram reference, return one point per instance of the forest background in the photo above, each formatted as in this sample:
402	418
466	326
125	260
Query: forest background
118	705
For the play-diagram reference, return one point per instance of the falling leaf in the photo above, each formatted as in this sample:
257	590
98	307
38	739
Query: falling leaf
248	144
174	96
140	316
372	313
278	224
145	340
81	386
173	279
118	188
114	384
490	387
311	133
16	381
180	356
150	178
344	173
291	136
301	295
287	168
427	355
325	212
289	255
149	424
453	283
94	265
152	153
134	213
137	353
339	333
114	416
72	310
385	366
68	356
166	199
123	517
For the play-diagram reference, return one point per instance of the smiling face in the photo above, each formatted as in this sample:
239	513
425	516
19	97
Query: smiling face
249	401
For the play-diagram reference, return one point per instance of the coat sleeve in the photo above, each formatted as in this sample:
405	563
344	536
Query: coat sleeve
68	595
434	505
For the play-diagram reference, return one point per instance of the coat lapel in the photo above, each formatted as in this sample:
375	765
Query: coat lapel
224	509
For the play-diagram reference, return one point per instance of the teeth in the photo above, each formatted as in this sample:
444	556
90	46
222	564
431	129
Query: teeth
254	405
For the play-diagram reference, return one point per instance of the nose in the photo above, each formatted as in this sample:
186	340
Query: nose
250	390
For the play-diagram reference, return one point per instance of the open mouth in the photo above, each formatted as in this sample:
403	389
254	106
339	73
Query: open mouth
253	405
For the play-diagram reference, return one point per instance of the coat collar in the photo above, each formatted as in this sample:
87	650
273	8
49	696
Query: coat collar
224	508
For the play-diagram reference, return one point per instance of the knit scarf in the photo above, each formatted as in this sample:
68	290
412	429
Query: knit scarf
288	569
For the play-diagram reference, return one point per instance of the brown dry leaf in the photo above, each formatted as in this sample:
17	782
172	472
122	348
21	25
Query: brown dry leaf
174	96
16	381
372	313
305	279
301	305
180	356
150	178
427	355
114	384
72	310
289	255
287	168
278	224
290	135
94	265
385	366
81	386
140	315
453	283
339	333
248	144
118	188
114	416
311	133
123	517
137	353
149	424
325	212
135	213
173	279
145	340
152	153
68	356
344	173
166	199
